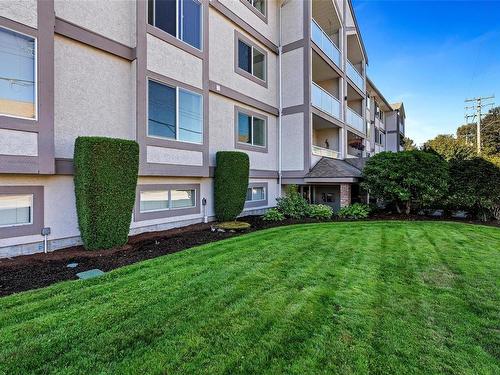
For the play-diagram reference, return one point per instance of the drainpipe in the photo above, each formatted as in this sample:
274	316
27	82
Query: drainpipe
280	99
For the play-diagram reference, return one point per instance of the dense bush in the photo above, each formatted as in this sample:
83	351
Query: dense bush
293	205
320	211
105	183
230	184
354	211
408	179
475	187
273	215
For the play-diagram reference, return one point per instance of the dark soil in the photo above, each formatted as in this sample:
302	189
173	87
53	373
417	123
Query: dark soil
39	270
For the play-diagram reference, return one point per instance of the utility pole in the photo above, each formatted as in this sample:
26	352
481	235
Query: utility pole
479	104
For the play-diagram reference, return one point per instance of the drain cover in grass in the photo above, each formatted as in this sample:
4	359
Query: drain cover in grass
72	265
89	274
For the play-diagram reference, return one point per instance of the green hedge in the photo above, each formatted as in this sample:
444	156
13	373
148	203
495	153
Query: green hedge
231	183
105	183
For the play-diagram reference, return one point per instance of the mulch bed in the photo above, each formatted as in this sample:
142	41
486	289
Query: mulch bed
39	270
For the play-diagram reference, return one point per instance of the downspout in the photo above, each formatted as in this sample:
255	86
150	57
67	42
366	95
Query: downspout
280	100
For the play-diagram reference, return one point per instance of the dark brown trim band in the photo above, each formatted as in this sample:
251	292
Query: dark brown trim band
170	39
93	39
143	216
255	11
300	108
37	216
242	98
221	8
254	173
294	45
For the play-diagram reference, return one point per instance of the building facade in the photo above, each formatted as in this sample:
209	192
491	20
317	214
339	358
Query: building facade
284	81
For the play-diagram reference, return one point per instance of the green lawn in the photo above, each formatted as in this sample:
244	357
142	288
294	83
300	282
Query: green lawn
348	298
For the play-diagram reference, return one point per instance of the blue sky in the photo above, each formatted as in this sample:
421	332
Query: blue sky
432	55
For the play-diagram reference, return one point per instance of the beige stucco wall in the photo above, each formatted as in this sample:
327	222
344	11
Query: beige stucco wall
170	61
59	206
222	57
114	19
332	135
269	30
94	95
292	21
293	145
222	133
162	155
22	11
292	65
13	142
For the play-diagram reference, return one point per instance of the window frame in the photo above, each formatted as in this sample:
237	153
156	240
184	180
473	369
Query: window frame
177	88
37	213
260	202
240	37
177	26
168	212
35	78
255	11
248	146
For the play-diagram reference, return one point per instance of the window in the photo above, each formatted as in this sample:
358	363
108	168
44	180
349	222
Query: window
174	113
251	60
183	198
17	74
260	5
379	136
256	194
251	130
152	201
180	18
16	210
162	200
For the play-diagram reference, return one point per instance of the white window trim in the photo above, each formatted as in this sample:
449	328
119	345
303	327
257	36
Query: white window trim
177	88
31	212
34	119
178	29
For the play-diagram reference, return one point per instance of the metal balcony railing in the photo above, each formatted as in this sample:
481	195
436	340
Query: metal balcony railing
355	76
324	101
323	41
354	120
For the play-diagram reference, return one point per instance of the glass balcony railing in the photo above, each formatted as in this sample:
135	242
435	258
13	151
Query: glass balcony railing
323	41
354	120
354	75
325	152
325	101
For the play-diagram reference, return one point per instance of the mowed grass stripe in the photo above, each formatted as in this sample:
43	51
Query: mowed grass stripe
382	297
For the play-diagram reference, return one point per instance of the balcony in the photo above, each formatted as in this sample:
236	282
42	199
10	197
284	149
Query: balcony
355	76
324	101
323	41
325	152
354	120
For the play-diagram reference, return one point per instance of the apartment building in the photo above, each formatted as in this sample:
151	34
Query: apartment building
282	80
386	129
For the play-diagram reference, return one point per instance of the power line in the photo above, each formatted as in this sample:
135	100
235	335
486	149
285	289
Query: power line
479	104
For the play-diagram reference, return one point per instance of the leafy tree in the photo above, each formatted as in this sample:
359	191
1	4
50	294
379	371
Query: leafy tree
475	187
490	134
409	144
449	147
409	179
